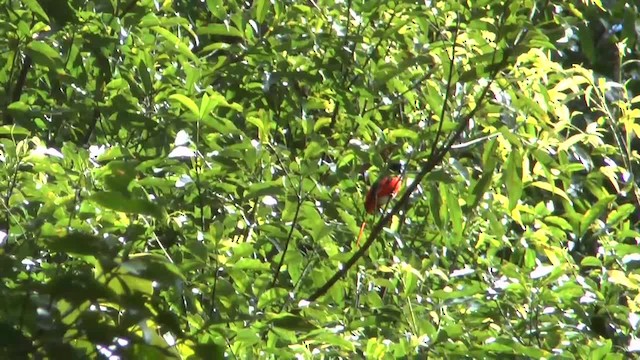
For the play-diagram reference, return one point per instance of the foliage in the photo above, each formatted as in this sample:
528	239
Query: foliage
185	179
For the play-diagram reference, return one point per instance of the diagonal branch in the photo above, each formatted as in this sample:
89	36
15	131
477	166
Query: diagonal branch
286	244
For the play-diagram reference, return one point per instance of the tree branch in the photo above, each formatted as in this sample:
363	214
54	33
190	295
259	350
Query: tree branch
22	79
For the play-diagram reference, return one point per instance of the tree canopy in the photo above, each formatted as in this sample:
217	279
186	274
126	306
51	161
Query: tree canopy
187	179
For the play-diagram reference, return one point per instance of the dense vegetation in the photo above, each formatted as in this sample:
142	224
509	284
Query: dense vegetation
187	179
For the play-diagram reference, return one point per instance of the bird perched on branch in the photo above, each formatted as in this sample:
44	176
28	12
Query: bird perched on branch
380	193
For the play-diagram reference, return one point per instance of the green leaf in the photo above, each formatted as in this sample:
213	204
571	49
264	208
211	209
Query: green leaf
262	8
205	106
187	103
602	350
440	176
13	129
410	280
217	8
217	99
36	8
119	202
43	54
152	267
498	348
594	212
455	214
270	296
296	265
145	76
481	186
18	108
250	264
324	336
292	322
550	188
247	337
513	178
401	134
435	205
558	222
220	125
434	96
620	214
210	350
625	249
60	11
315	148
621	278
260	189
346	159
590	261
177	43
119	175
312	221
220	29
390	72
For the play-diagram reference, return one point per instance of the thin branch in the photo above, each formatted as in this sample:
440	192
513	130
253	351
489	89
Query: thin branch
10	188
22	79
14	61
447	93
286	244
295	216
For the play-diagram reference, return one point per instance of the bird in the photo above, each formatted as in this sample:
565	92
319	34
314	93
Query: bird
380	193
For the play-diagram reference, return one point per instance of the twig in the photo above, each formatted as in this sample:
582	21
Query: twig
286	244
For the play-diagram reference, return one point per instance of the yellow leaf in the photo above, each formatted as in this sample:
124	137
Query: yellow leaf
186	102
620	278
552	256
552	189
515	215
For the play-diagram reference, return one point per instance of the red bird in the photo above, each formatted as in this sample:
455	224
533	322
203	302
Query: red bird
380	193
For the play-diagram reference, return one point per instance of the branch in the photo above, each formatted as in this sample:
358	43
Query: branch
447	93
22	78
286	244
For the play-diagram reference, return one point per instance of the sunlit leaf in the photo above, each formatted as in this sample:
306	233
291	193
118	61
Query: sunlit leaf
13	130
513	178
43	53
594	212
220	29
176	42
550	188
270	296
620	214
187	103
250	264
36	8
620	278
262	8
265	188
